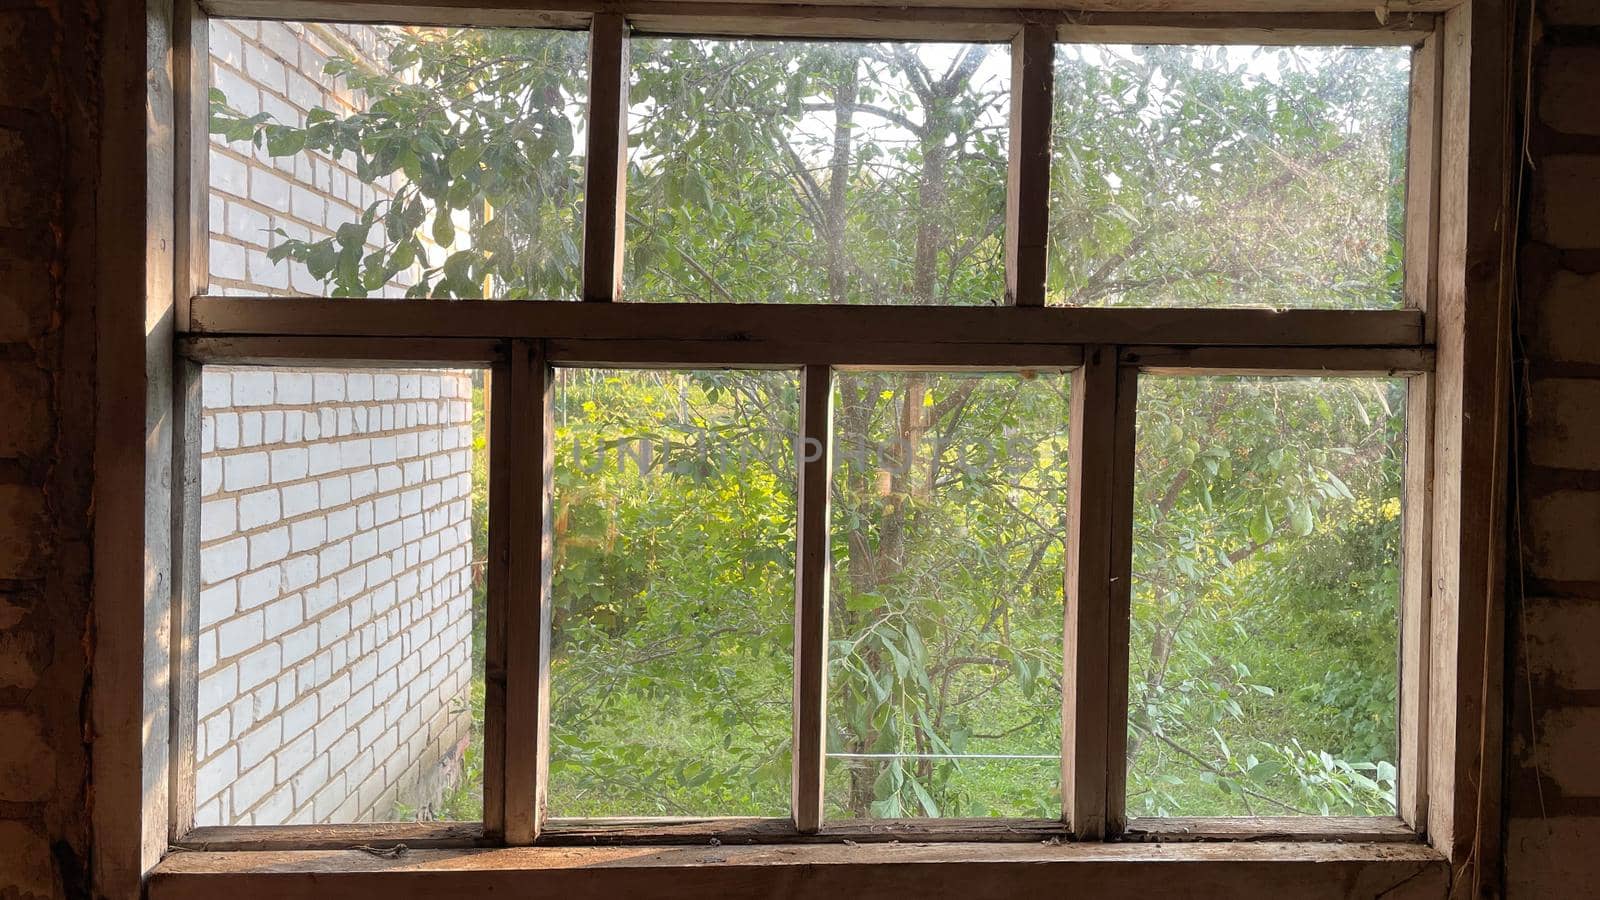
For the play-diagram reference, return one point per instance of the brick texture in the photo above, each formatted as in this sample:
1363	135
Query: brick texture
277	68
336	605
49	106
1553	681
336	613
1567	103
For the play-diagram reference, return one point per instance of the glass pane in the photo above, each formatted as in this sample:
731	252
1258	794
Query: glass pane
390	161
1228	176
672	658
1265	633
949	516
342	532
817	172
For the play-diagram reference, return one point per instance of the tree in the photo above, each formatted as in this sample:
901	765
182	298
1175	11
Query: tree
872	173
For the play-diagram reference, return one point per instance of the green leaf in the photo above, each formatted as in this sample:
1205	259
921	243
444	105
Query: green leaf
285	141
864	602
463	160
929	808
320	260
1301	519
1261	525
444	229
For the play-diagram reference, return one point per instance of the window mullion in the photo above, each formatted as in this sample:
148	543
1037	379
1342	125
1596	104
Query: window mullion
814	460
1099	551
1119	589
1416	589
191	47
1421	292
1028	184
186	408
1422	182
519	615
192	168
606	179
499	419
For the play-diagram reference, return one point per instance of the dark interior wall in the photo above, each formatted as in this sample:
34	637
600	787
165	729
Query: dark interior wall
50	113
48	156
1553	704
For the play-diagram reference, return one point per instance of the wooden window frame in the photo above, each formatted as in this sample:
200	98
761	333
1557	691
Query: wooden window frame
1447	341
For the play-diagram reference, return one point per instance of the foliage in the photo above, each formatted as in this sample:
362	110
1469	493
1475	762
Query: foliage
1262	658
1228	176
1266	536
673	591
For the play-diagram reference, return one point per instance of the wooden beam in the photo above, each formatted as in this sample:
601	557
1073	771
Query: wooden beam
786	354
531	461
490	14
1416	609
1310	361
1471	394
780	324
1327	27
1422	179
1352	829
342	351
1186	21
382	835
731	831
1085	694
979	871
1119	592
500	423
185	659
121	204
1028	183
605	192
812	573
191	64
820	22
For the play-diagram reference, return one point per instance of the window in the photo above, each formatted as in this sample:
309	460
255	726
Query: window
672	593
1229	176
340	598
1266	584
944	664
986	430
359	160
866	173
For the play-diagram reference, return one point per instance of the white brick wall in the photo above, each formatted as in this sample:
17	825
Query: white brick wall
277	68
336	604
335	525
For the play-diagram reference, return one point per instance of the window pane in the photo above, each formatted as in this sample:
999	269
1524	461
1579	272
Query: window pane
949	515
1265	633
672	658
342	529
1228	176
381	160
817	172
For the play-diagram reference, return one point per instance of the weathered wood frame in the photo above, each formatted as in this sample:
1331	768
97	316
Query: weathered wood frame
1449	341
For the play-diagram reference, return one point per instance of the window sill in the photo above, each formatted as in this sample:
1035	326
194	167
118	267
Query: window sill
1305	871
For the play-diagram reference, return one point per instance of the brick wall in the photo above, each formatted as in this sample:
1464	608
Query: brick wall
1553	686
277	68
48	115
336	607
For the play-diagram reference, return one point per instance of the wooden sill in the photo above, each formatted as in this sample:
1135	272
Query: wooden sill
661	832
1346	829
971	871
